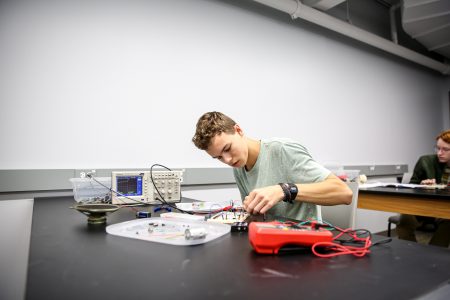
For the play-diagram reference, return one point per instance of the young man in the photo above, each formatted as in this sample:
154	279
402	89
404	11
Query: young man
277	177
430	169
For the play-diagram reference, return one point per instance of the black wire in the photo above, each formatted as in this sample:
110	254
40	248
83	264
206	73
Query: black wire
361	232
162	200
358	232
384	241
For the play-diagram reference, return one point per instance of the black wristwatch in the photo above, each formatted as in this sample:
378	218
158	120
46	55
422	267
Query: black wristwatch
293	190
290	191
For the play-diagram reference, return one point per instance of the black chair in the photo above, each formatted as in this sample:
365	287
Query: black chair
427	225
392	220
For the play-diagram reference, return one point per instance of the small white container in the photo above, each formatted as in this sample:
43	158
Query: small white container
352	175
88	190
347	175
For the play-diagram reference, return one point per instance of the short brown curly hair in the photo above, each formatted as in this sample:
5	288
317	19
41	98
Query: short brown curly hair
209	125
445	136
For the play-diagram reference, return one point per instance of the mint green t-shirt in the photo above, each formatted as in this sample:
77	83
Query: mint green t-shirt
282	160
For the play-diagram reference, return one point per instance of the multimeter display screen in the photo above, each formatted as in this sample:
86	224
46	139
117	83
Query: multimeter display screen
129	185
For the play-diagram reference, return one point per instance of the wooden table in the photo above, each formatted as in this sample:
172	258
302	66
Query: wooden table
421	202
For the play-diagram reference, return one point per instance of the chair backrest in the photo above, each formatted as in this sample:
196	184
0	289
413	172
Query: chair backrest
406	177
15	232
343	216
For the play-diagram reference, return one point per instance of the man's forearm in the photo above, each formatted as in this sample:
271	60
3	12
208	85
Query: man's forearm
331	191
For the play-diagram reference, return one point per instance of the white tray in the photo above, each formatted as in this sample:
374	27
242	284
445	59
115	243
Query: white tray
167	231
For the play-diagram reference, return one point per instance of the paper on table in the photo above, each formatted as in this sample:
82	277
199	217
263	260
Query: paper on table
402	185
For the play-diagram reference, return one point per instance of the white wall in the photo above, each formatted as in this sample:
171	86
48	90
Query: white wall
90	84
220	193
100	84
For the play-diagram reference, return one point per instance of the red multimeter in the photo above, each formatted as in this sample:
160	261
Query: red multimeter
269	237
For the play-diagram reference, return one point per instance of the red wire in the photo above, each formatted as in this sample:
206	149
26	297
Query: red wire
339	249
226	208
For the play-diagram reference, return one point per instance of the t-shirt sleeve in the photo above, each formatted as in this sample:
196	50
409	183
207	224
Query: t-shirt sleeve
304	169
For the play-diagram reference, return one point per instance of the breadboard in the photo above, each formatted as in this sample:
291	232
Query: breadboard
229	217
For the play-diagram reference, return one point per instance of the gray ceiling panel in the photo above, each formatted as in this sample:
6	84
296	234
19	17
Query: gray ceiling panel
428	21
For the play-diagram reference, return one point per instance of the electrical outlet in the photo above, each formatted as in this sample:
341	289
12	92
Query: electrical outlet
87	173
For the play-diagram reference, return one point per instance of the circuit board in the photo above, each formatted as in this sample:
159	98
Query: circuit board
229	217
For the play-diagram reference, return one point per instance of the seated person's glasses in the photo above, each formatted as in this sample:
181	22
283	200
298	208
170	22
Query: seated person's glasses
443	149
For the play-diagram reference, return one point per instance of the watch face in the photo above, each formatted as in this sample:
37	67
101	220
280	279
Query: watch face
292	188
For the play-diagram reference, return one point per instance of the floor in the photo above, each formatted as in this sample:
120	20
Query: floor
421	236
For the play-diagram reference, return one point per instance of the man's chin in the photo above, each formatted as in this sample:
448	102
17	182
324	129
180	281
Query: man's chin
237	165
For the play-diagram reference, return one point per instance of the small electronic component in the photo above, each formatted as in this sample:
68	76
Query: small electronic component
195	233
239	226
143	214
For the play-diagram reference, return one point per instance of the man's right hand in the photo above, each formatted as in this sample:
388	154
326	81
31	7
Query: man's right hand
428	181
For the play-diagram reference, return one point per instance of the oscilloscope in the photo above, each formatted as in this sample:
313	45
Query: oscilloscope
137	186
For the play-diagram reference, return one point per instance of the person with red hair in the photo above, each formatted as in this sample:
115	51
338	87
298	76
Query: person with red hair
430	170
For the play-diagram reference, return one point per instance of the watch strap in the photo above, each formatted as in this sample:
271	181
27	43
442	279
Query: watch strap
287	194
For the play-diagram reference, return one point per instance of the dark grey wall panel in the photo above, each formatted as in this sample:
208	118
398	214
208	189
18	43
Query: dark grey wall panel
380	170
46	180
208	176
35	180
191	175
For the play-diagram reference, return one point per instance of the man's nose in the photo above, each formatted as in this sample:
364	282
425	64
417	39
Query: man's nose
226	158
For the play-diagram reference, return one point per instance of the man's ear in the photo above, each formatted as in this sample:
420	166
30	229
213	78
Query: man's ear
238	130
